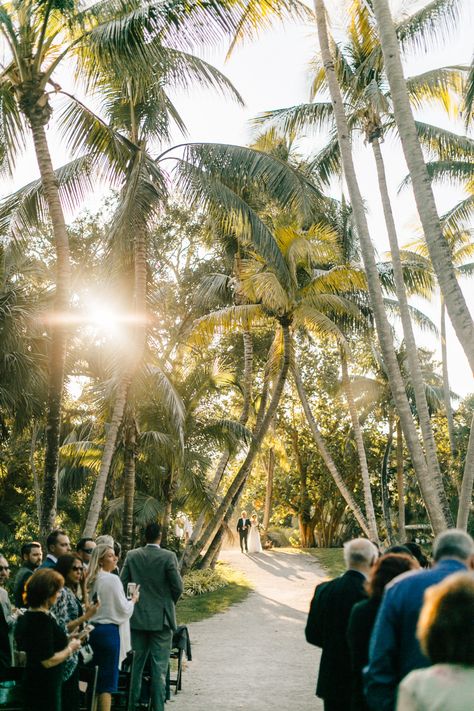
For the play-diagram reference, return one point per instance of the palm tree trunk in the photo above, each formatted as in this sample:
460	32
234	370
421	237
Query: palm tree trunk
328	460
429	493
384	485
364	469
34	470
57	354
130	457
410	343
267	511
446	388
229	501
400	485
465	497
244	415
132	363
438	247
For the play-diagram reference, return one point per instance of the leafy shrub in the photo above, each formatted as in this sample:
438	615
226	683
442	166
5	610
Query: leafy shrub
281	537
198	582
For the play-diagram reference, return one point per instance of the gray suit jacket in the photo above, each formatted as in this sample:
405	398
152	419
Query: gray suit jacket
156	571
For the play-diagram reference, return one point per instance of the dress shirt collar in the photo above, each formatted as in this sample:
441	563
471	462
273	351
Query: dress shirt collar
155	545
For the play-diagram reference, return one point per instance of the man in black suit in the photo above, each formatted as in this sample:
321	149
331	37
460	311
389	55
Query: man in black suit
243	527
327	622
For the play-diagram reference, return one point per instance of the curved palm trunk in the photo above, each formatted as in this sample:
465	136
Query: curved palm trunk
230	500
429	493
267	511
384	485
438	247
138	344
364	469
411	348
328	460
400	485
244	415
465	497
129	468
58	329
446	388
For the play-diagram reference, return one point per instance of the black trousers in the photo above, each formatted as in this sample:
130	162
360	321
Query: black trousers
243	539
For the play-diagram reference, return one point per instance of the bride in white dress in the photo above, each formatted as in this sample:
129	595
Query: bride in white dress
254	544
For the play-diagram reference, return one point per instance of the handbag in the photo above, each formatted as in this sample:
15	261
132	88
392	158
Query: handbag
86	654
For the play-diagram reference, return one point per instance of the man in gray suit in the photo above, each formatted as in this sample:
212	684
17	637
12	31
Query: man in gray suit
154	619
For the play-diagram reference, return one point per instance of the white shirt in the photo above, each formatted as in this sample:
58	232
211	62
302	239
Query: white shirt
114	608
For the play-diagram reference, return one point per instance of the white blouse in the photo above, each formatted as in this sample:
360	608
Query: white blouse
114	607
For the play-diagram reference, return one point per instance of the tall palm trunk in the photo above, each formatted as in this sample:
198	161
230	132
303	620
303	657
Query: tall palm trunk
57	355
130	458
384	484
400	485
267	511
410	343
438	247
465	496
230	500
244	415
131	366
430	494
446	389
328	460
364	469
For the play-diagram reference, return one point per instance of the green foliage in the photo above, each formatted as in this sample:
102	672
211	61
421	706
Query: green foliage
331	559
235	588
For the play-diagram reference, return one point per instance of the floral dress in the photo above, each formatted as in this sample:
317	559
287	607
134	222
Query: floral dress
67	608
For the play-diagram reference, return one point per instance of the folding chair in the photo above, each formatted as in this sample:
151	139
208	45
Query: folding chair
122	698
181	645
88	686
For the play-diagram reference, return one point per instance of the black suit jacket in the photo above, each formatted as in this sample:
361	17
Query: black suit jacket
326	627
359	630
241	523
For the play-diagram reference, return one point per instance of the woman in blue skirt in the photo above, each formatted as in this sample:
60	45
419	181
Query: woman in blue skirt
111	621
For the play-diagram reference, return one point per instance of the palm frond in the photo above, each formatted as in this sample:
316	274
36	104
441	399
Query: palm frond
315	117
418	317
433	23
442	86
233	318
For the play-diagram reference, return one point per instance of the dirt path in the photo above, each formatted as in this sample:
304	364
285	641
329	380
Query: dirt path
254	656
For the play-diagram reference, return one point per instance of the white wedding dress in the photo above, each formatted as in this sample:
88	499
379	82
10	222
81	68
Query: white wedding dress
254	544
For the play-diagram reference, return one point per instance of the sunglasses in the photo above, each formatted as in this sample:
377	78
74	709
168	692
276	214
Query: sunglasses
77	567
4	567
88	550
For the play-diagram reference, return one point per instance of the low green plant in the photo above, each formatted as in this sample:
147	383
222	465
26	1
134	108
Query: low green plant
332	559
195	606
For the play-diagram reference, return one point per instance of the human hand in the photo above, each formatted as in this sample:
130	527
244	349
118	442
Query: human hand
74	644
92	609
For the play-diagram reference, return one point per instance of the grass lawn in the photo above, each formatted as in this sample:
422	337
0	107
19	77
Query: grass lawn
200	607
331	559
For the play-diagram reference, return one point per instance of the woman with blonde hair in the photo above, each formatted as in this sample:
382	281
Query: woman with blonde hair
446	634
110	639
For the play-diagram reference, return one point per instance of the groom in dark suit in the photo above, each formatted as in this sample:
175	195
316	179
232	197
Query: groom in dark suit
154	619
243	527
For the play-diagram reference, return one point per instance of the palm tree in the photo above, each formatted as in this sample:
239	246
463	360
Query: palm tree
433	495
362	80
439	250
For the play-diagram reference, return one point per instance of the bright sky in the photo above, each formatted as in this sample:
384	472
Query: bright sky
272	72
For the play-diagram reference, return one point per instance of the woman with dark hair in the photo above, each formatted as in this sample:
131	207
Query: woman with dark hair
363	616
69	614
45	643
446	634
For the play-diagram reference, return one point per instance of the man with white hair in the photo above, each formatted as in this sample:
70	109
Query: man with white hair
394	649
327	622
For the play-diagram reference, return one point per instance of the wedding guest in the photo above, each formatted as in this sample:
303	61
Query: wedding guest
84	549
446	633
45	643
70	615
7	620
110	639
363	614
57	543
327	622
394	650
31	557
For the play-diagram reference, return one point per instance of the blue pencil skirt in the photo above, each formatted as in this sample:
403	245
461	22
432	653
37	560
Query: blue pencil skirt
105	642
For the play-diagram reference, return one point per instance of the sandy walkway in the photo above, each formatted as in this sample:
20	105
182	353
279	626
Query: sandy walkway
254	656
